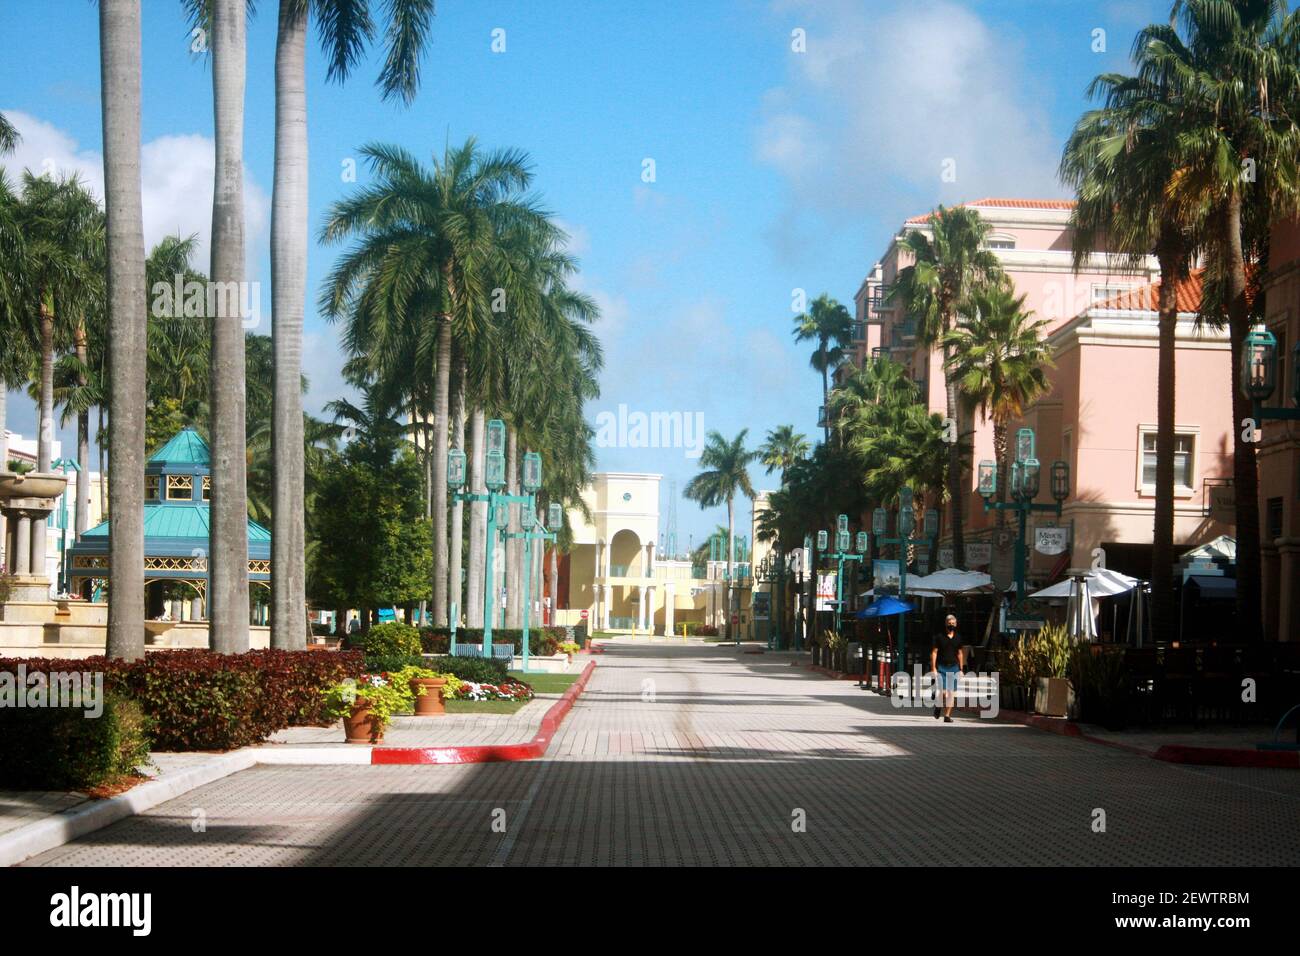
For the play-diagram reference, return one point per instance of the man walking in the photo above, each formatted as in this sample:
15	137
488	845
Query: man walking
947	661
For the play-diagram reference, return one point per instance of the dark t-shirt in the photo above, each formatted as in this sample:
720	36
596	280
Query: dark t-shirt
947	647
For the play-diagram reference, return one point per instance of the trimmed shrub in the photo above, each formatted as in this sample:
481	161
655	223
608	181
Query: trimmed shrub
60	748
197	700
473	669
392	637
542	641
391	663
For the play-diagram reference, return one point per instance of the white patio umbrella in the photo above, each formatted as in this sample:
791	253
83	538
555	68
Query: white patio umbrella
1102	582
948	581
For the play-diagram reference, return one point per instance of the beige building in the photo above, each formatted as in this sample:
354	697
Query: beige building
614	575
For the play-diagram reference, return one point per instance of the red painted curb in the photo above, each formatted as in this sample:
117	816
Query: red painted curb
491	753
1170	753
1227	757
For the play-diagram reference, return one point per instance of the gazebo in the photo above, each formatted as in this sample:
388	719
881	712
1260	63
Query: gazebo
178	486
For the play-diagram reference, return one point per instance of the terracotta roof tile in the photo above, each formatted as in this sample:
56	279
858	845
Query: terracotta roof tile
1146	298
1006	204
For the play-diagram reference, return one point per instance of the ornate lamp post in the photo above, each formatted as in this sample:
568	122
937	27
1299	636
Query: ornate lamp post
905	525
498	510
842	554
532	482
1026	478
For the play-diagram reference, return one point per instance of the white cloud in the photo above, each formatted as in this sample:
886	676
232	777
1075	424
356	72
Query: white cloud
176	182
883	97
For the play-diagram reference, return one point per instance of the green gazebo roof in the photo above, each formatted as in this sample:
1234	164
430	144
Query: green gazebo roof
171	521
186	449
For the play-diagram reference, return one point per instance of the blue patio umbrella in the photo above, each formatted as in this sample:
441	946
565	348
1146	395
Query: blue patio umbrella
885	607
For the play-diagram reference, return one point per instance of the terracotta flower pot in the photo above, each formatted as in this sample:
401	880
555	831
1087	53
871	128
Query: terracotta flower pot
361	726
428	704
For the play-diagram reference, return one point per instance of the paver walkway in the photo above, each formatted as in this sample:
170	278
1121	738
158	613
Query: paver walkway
703	755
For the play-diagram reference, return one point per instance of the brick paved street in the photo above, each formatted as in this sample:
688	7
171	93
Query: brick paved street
701	755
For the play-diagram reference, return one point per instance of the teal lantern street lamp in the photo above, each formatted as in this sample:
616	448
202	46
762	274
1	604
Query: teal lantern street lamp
527	519
456	469
843	554
906	525
862	544
1259	365
555	516
1024	485
1259	376
1060	480
823	540
532	478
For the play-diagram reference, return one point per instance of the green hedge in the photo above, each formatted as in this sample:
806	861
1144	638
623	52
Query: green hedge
476	669
197	700
541	640
61	748
392	637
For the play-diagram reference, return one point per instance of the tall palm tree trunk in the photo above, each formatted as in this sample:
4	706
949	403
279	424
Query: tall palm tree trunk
101	439
1000	444
477	521
456	542
83	437
514	546
1164	619
45	435
288	297
119	52
956	493
555	583
441	416
1245	477
228	541
731	551
826	397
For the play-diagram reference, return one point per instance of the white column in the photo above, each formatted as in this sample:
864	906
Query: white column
640	607
670	599
23	545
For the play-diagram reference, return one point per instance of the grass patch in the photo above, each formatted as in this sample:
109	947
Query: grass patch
547	683
483	706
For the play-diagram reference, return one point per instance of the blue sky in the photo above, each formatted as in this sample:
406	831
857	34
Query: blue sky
775	170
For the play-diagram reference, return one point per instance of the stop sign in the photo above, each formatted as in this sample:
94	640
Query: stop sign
584	614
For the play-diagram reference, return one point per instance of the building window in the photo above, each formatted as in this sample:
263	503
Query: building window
151	485
207	487
180	487
1103	293
1184	461
1273	518
1000	242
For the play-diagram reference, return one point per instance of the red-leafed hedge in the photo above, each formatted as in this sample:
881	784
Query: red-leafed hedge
198	700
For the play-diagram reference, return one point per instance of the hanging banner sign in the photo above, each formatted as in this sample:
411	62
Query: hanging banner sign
885	575
826	591
945	557
978	554
1051	540
1223	503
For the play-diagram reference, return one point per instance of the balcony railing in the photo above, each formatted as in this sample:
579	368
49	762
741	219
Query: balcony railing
859	331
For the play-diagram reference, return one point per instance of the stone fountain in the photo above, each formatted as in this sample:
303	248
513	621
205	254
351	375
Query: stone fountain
26	502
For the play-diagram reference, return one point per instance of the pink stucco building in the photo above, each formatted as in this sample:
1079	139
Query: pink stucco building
1101	411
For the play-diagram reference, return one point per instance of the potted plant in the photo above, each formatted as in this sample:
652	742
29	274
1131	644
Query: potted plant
568	649
366	706
1051	652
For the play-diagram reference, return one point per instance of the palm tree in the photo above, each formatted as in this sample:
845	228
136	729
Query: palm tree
345	27
783	447
725	471
228	538
947	265
998	359
119	47
829	324
1119	160
1235	70
433	245
8	136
